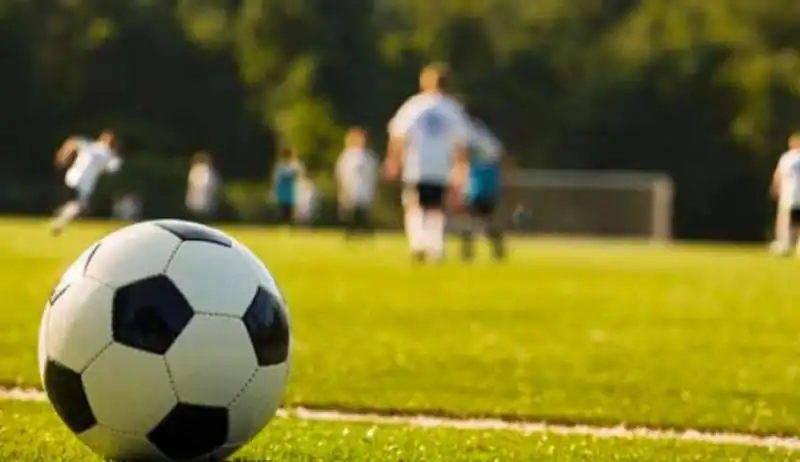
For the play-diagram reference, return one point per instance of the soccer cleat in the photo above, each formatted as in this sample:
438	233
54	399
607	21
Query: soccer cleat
418	256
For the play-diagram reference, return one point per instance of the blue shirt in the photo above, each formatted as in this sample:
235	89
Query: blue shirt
484	165
287	175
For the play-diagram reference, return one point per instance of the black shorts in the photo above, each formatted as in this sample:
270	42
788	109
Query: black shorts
794	217
75	194
427	195
482	206
357	216
285	213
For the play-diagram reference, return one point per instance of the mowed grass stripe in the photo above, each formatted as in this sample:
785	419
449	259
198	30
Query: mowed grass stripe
475	424
32	433
605	333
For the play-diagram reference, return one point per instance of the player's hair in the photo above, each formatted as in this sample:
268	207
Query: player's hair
111	136
354	136
436	75
287	153
201	157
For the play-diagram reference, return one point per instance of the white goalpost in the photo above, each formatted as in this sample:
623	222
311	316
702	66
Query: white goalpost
590	203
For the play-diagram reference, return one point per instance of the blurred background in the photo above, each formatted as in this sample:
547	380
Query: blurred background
701	95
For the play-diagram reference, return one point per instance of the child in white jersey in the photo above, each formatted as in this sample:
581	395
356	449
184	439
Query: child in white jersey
85	161
356	177
428	141
203	187
786	189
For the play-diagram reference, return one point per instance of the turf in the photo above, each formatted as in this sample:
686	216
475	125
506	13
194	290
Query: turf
30	432
688	337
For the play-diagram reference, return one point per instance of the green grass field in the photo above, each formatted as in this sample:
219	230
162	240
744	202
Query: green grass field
566	332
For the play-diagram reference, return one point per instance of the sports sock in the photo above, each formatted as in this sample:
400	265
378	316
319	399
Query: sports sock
433	223
414	232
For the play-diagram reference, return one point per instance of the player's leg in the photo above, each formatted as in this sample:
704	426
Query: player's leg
460	208
363	222
70	210
467	234
783	226
413	221
346	218
432	202
493	228
285	214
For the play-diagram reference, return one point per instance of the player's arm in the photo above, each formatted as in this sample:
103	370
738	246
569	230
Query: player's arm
463	135
398	130
775	187
394	157
460	164
67	151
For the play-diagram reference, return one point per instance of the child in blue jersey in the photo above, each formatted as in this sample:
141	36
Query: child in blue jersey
483	190
285	179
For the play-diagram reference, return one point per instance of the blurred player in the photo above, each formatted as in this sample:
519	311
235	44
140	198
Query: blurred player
127	207
286	177
202	187
427	140
356	177
482	193
786	189
85	161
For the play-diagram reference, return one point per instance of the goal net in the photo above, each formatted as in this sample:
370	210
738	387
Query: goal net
589	203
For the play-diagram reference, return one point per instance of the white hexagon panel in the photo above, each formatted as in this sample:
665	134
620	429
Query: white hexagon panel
138	376
218	340
131	254
201	269
79	323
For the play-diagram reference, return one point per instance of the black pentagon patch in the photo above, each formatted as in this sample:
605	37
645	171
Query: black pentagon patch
268	328
189	231
190	431
65	391
149	314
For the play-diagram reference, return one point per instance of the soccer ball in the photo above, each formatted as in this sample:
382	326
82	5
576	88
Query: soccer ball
165	340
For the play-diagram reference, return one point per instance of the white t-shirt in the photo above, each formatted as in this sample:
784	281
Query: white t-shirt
789	171
432	125
92	159
357	173
203	186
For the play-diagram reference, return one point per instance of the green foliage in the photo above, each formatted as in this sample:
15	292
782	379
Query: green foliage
706	91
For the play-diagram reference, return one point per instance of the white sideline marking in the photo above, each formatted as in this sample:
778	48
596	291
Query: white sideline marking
528	428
